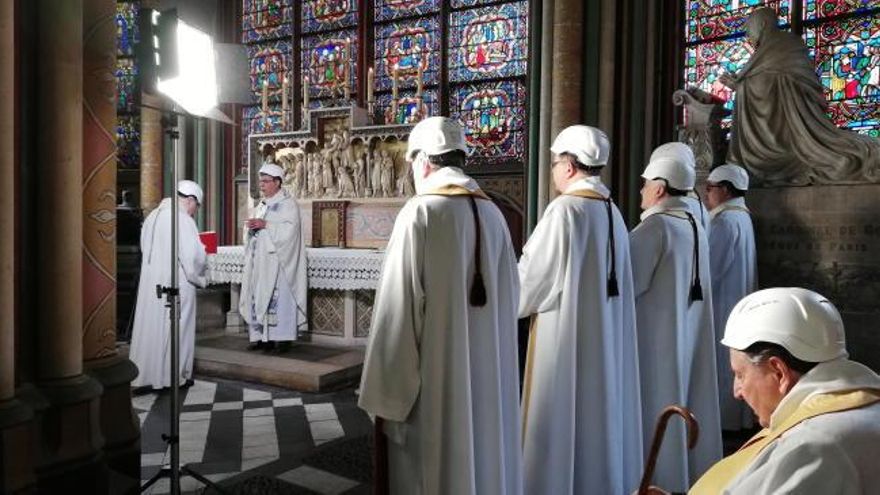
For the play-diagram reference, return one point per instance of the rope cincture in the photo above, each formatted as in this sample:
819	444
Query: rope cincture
611	287
477	296
696	292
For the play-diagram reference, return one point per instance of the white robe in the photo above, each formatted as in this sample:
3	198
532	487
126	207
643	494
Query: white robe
831	453
150	338
700	213
442	373
677	362
734	267
275	279
581	411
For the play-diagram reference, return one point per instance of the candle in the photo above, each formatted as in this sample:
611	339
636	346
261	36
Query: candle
306	92
284	100
394	83
370	77
265	97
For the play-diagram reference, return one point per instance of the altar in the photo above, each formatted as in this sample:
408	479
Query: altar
342	283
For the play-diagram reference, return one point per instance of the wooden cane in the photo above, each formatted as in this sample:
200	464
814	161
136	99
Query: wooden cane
380	458
693	434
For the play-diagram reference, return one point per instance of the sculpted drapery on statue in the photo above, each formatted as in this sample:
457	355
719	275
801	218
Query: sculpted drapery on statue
781	133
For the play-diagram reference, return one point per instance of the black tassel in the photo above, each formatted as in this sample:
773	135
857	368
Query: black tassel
696	291
478	291
613	291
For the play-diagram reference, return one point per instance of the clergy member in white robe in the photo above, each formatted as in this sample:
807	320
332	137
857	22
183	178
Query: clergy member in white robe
581	408
274	283
820	411
695	204
151	334
441	367
673	290
734	268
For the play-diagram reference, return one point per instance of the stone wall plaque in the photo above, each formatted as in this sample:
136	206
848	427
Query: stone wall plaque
827	239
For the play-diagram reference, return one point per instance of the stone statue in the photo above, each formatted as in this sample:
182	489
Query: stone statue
703	132
327	183
405	186
376	178
387	176
780	131
346	186
358	173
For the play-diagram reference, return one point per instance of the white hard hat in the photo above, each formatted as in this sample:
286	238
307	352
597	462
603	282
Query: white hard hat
672	164
435	136
805	323
675	150
190	188
272	170
588	144
734	174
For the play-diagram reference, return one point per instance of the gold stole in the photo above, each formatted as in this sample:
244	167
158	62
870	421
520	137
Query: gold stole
454	190
585	193
723	472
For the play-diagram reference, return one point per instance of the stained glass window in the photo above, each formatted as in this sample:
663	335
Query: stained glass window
386	10
814	9
322	15
127	89
494	118
128	140
127	33
407	46
710	19
705	62
330	61
269	63
485	43
488	42
266	20
847	55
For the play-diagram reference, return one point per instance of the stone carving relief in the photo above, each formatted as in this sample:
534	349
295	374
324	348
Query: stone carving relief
344	167
702	130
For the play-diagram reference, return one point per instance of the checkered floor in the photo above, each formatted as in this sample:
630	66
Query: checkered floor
230	431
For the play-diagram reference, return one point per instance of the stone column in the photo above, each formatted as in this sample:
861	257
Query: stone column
151	154
547	75
118	424
69	438
16	459
568	56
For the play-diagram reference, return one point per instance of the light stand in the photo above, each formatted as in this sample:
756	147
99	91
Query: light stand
173	469
179	61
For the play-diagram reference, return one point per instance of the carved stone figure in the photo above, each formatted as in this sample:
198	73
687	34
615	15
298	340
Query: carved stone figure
387	177
376	179
405	185
358	175
346	185
780	131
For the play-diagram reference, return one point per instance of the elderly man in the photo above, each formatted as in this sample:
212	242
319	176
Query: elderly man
670	263
820	411
151	333
441	367
274	283
684	153
581	409
734	268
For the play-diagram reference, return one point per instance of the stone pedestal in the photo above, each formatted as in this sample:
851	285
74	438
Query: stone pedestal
825	238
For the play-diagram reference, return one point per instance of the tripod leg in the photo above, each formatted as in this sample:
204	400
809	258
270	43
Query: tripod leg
205	481
163	473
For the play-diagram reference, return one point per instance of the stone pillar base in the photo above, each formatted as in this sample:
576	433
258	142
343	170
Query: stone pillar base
16	441
119	425
67	435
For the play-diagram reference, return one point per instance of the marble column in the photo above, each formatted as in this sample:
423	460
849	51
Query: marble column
16	459
69	438
547	75
119	426
151	154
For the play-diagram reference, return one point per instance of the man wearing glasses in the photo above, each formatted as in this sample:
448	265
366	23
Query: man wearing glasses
734	268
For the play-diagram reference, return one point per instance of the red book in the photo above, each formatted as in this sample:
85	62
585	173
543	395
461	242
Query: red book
209	239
